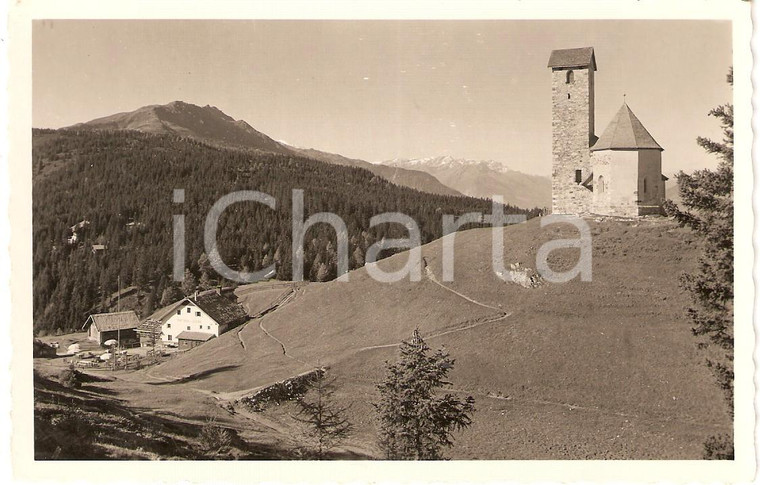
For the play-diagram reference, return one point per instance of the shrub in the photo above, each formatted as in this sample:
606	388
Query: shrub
70	378
214	439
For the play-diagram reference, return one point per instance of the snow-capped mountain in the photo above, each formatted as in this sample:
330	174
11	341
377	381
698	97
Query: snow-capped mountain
483	178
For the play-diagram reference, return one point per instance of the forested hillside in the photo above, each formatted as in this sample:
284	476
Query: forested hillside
210	125
121	183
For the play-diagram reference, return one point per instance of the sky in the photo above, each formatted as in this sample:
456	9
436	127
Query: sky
378	90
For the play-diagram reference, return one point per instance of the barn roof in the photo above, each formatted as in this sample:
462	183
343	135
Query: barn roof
220	308
197	336
113	321
578	57
625	132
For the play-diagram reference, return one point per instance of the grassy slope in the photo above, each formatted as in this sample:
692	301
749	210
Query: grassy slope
606	369
92	423
257	298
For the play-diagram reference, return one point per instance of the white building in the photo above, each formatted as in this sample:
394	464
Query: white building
199	318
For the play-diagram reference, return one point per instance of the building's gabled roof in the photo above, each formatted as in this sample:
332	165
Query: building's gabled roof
197	336
566	58
220	308
113	321
163	312
625	132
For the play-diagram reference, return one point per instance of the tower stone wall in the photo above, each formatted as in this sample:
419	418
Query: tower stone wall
572	135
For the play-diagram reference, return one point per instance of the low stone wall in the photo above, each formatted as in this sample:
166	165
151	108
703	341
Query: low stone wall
279	392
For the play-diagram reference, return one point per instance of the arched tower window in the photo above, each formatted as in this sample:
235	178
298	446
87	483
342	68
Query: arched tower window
569	77
600	184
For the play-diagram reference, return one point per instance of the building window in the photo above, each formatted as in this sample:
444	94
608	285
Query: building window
168	325
578	176
179	312
197	314
188	310
568	95
209	327
200	327
601	184
170	337
188	327
569	78
645	185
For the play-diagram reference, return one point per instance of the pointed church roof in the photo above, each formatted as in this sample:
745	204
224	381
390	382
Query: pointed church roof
578	57
625	132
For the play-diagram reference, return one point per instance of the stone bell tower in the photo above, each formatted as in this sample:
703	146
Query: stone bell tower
572	129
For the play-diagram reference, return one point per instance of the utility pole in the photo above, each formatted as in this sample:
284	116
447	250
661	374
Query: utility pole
115	355
118	307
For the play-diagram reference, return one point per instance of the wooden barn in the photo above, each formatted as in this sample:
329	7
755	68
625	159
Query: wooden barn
121	326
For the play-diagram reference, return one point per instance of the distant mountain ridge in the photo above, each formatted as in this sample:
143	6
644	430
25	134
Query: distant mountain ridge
483	178
416	179
672	191
211	125
447	161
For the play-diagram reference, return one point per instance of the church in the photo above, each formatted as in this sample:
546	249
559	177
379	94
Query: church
617	174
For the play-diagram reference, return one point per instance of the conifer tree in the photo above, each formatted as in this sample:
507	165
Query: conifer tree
150	303
358	257
326	422
204	263
708	209
206	283
322	272
416	423
170	295
189	284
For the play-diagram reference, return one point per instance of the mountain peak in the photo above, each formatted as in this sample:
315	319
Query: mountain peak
207	123
449	161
